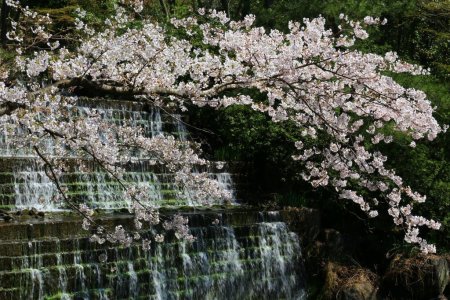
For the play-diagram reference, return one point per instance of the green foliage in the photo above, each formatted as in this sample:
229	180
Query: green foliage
430	41
241	134
6	55
427	167
97	10
253	134
62	17
62	12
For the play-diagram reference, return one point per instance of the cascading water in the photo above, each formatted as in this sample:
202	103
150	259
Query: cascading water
62	279
224	178
37	284
244	256
33	188
225	181
180	127
239	255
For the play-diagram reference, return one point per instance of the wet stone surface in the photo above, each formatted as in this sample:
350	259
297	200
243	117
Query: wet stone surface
248	255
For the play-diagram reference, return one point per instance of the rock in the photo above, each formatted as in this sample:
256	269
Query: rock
5	216
350	283
8	218
80	296
442	269
363	290
41	214
330	246
303	221
33	212
334	243
421	277
447	289
18	213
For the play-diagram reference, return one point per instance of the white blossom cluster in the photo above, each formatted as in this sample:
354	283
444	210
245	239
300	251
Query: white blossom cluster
179	225
310	76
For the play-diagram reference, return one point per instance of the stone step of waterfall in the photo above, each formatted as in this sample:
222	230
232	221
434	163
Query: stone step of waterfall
48	253
245	255
245	221
87	294
11	166
223	270
104	201
22	245
121	277
69	223
23	183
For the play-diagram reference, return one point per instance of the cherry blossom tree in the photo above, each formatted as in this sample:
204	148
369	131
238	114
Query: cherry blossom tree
310	75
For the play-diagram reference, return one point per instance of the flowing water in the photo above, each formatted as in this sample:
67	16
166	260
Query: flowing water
236	255
245	256
27	184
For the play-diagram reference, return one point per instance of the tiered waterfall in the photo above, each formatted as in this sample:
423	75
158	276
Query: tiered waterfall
238	253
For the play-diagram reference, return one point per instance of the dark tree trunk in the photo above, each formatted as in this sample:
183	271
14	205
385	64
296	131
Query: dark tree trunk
4	23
